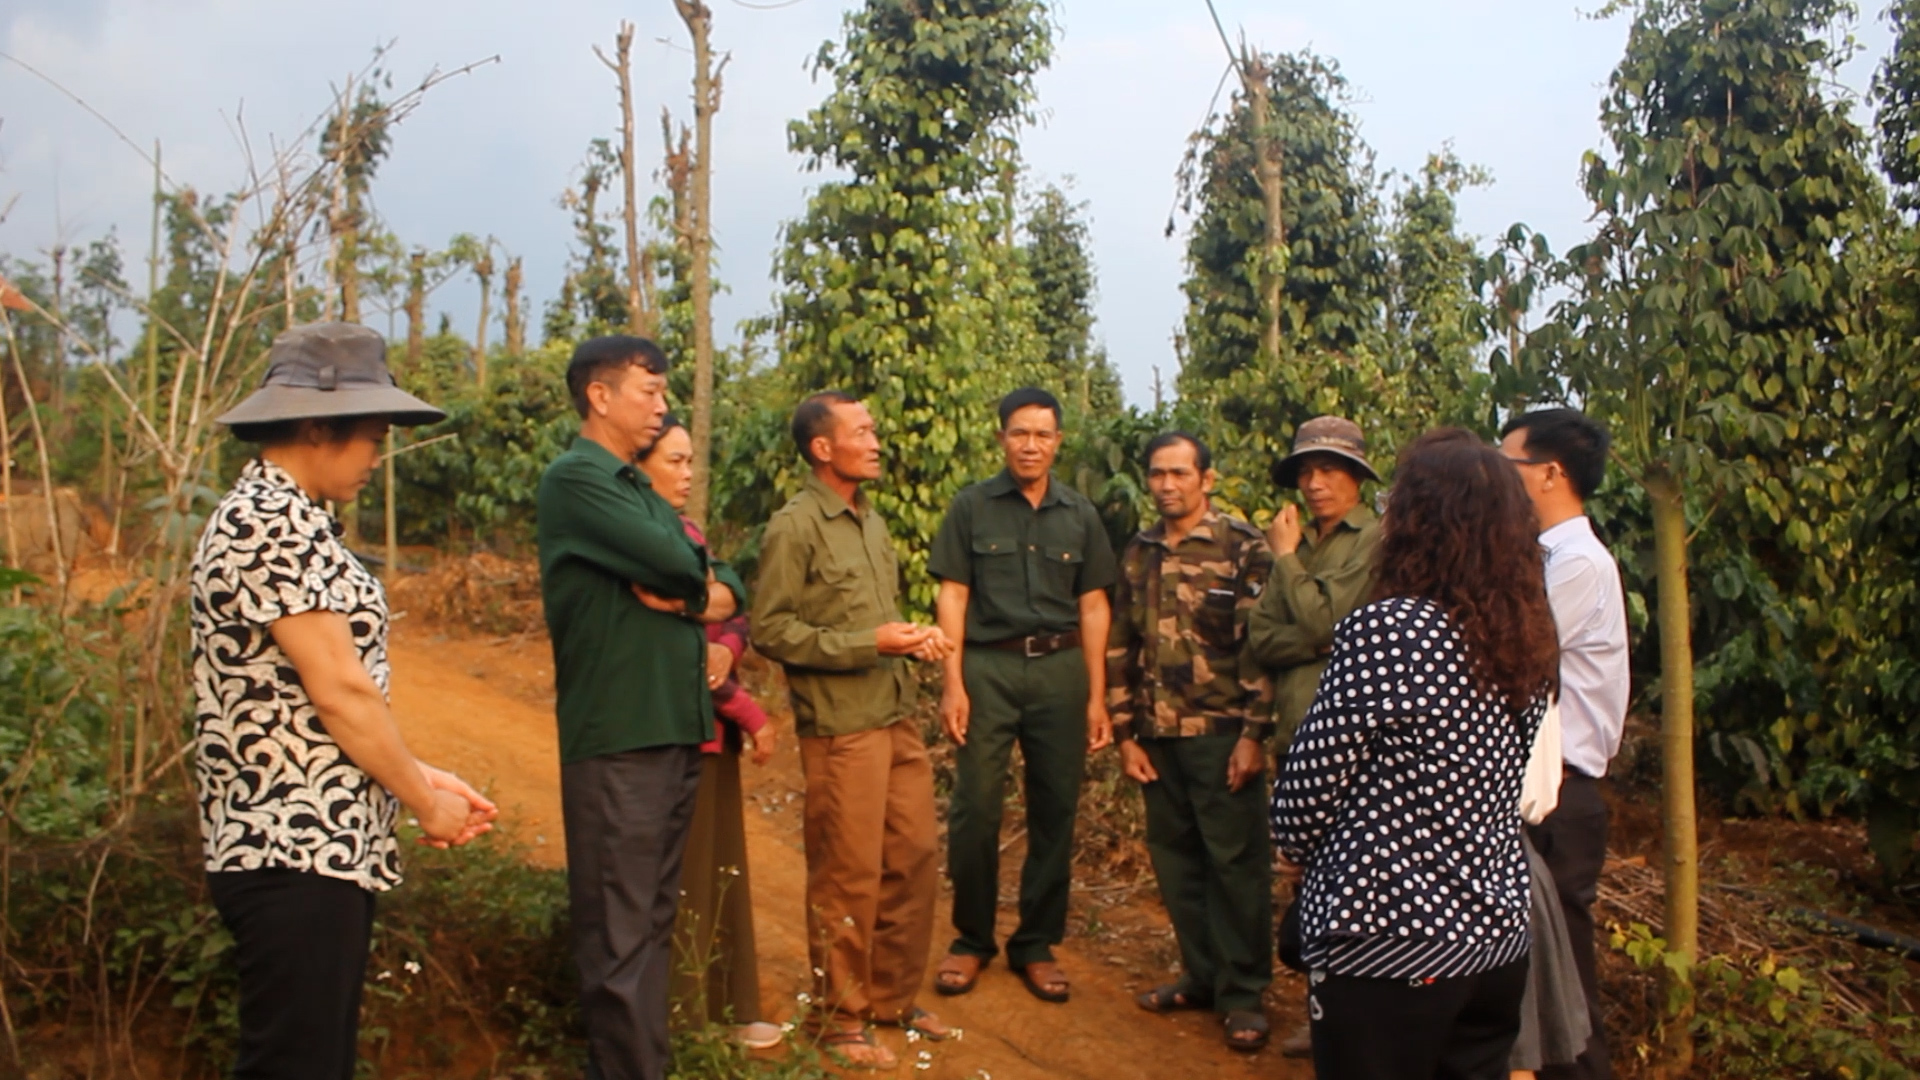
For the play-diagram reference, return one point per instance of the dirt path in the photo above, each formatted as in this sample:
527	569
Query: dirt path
484	709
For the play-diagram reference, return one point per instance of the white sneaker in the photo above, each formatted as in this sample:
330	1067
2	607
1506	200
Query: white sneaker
759	1035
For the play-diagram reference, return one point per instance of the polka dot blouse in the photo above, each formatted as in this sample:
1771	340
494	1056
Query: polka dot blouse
1400	797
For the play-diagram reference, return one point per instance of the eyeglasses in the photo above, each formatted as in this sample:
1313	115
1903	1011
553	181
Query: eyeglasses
1531	460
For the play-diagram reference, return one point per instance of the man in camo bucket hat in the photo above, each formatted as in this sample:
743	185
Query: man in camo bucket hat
1322	570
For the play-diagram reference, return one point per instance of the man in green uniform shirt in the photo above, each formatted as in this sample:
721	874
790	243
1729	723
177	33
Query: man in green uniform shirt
1190	711
1321	573
828	609
625	592
1024	565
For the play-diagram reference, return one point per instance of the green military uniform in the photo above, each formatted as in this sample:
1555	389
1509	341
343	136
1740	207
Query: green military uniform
626	677
1025	568
1314	588
1178	682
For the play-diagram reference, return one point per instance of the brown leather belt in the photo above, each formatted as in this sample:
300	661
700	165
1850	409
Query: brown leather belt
1036	646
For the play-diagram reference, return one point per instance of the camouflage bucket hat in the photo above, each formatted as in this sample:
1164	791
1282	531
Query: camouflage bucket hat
329	369
1324	435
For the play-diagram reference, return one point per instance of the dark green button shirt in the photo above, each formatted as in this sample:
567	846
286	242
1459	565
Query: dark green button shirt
1025	567
626	677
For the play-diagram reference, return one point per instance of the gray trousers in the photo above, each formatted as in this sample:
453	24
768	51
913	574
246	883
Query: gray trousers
627	817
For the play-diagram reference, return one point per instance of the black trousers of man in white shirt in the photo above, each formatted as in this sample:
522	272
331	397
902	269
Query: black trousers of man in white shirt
1573	841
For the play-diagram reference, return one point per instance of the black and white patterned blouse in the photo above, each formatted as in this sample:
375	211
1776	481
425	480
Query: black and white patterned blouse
275	789
1400	797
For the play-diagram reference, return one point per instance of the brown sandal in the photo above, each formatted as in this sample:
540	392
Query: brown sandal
958	973
1055	989
930	1027
857	1048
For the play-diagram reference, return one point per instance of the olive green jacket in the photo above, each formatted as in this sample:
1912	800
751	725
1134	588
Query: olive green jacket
1291	631
828	580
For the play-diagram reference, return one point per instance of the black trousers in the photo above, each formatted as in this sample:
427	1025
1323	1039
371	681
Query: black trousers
627	817
301	942
1573	841
1398	1029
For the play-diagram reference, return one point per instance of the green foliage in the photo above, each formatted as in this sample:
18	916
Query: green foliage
1381	316
1719	324
56	724
480	479
1057	260
1760	1017
1335	273
592	298
902	286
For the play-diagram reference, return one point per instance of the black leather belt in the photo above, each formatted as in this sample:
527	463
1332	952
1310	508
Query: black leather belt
1038	645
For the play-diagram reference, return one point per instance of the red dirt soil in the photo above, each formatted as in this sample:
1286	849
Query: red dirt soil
483	707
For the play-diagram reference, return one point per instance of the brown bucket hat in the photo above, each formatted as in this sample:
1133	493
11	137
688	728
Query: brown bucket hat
1324	435
329	369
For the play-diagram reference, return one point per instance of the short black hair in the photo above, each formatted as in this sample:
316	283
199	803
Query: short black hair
1572	439
813	418
596	360
667	423
1025	398
1203	457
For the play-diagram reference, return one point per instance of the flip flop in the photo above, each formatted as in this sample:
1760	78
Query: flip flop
1171	998
837	1041
1045	991
930	1027
953	988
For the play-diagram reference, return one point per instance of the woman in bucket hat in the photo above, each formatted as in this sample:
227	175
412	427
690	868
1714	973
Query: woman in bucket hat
301	771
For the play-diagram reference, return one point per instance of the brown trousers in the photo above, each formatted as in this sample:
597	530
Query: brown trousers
716	974
872	869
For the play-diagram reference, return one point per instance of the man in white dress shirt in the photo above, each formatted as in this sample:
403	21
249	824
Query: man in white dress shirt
1562	456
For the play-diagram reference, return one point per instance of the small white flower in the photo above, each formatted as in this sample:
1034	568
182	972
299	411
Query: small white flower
383	976
923	1065
925	1056
819	974
804	999
413	967
913	1036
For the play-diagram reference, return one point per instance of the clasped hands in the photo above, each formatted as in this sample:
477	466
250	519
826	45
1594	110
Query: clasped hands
455	813
928	643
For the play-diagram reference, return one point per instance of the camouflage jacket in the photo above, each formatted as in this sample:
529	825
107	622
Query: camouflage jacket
1174	658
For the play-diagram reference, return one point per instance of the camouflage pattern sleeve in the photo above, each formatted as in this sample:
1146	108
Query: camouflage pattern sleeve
1256	573
1123	648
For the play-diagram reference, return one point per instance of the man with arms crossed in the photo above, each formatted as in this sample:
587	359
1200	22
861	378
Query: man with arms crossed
1562	457
623	589
1024	565
828	609
1190	711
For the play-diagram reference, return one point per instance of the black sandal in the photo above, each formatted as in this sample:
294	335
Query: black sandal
1246	1030
1171	998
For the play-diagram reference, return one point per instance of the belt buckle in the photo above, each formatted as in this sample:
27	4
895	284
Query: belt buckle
1028	647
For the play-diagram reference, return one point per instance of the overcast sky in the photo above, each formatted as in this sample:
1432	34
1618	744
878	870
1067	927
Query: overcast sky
1513	85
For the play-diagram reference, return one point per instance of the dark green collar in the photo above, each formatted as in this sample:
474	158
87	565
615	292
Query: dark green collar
606	459
1004	484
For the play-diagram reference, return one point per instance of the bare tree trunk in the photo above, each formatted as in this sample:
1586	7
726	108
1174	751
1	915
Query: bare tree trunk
1681	864
483	269
416	305
151	395
57	366
516	327
699	246
1269	169
642	314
